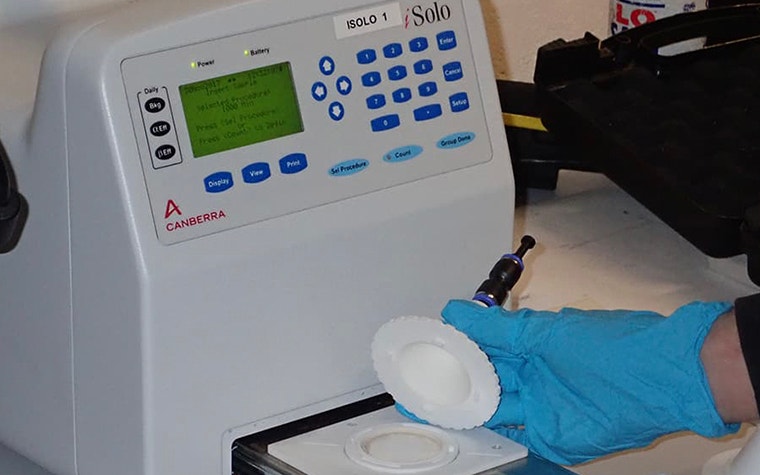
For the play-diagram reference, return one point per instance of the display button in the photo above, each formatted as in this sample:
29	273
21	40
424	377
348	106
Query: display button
218	182
155	105
256	172
428	88
327	65
385	123
349	167
402	95
336	111
366	56
344	85
165	152
446	40
371	79
427	112
418	44
459	102
392	50
293	163
456	140
375	101
319	91
452	71
397	73
402	154
423	66
160	128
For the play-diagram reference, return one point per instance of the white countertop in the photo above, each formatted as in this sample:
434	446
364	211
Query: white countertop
599	248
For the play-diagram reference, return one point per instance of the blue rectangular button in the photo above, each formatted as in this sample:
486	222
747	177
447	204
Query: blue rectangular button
459	102
452	71
385	122
446	40
427	112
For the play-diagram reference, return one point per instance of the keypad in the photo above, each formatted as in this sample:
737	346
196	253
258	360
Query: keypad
396	73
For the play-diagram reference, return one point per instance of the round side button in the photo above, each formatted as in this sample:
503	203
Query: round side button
165	152
327	65
155	105
319	91
160	128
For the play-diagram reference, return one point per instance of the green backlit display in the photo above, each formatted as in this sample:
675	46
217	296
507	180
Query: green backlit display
241	109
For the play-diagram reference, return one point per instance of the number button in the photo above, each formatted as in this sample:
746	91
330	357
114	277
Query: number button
375	101
392	50
397	73
385	123
418	44
423	66
428	89
402	95
366	56
371	79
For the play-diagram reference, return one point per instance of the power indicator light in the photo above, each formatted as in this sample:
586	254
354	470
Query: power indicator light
193	65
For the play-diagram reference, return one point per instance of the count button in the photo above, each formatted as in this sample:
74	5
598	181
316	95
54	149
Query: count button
218	182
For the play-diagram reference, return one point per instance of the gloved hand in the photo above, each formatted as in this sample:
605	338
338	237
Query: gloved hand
580	384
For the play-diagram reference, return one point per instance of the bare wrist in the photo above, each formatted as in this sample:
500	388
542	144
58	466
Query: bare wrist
726	371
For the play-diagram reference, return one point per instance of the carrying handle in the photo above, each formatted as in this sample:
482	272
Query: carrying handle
721	26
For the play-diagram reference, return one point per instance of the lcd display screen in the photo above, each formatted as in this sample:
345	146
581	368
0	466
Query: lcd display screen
241	109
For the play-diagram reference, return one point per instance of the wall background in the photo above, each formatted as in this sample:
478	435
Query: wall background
516	28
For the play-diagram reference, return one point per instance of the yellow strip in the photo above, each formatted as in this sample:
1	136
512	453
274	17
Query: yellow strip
523	121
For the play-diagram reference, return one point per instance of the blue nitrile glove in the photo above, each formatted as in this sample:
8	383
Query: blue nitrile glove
579	384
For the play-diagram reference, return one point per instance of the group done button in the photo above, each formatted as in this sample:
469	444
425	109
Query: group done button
218	182
456	140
